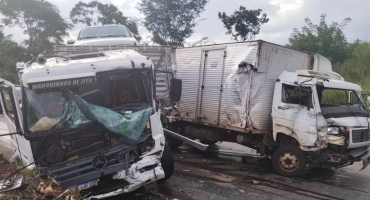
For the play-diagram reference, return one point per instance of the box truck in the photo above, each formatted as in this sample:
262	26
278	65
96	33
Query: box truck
267	97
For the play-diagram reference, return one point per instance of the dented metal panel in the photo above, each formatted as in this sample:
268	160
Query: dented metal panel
237	85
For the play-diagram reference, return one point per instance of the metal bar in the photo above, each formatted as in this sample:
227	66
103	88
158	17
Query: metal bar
127	163
191	142
8	134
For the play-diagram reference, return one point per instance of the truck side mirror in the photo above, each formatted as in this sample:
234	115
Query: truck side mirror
70	42
175	90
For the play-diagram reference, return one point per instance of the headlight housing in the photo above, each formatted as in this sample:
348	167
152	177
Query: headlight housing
333	130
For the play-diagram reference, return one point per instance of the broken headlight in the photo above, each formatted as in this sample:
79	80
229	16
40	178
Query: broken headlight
333	130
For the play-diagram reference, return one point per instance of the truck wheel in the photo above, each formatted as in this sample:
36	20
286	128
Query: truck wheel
209	142
173	142
167	163
289	161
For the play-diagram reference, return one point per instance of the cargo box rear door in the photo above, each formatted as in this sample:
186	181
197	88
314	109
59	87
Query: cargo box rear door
211	86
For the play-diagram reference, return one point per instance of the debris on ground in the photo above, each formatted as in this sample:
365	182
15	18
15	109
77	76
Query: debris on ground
31	186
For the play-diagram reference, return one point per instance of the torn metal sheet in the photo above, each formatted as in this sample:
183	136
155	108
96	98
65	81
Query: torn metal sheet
296	121
11	183
349	121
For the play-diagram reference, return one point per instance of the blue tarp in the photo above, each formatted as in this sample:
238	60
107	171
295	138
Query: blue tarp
130	126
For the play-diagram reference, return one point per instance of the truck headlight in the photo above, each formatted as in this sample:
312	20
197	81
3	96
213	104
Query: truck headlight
333	130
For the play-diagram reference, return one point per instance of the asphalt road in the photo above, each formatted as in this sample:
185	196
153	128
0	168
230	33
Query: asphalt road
203	175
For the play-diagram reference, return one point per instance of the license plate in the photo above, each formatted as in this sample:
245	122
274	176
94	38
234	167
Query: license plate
87	185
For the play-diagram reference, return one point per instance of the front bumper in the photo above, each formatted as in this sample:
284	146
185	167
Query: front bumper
362	154
137	176
365	160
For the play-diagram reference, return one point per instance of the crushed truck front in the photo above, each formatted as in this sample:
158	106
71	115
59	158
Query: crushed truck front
91	120
316	111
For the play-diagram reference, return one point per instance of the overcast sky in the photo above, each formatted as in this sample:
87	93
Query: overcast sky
284	16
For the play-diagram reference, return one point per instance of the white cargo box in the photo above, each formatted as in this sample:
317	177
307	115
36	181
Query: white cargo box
217	92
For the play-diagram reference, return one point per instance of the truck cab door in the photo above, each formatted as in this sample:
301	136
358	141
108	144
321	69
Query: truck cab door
294	113
10	102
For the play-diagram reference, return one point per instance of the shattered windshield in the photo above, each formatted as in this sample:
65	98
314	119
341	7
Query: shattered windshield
340	103
120	102
47	108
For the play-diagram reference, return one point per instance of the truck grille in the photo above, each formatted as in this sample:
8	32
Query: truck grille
360	135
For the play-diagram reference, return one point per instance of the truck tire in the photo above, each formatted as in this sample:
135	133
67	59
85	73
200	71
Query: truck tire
173	142
167	163
289	161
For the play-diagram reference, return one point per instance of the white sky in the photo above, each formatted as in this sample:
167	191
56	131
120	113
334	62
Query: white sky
284	16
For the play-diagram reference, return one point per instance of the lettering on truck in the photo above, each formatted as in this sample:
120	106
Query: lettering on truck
64	83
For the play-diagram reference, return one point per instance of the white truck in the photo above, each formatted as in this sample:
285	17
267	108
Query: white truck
265	96
91	118
114	34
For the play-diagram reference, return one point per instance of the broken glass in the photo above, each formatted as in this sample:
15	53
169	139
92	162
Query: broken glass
59	110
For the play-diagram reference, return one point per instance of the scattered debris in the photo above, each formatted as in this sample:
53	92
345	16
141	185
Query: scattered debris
26	184
255	182
186	170
242	191
201	181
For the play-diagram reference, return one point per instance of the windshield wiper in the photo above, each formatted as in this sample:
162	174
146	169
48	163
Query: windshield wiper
88	37
112	36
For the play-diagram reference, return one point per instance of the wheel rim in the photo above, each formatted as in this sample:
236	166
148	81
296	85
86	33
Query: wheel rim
288	162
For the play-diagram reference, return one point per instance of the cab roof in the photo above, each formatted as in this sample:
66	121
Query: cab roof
80	65
317	79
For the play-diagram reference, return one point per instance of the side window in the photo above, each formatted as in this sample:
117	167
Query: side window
293	94
9	109
290	94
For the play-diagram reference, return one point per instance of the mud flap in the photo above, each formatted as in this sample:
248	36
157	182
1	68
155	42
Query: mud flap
365	160
191	142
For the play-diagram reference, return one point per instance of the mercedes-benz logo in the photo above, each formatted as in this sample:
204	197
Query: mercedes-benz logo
99	161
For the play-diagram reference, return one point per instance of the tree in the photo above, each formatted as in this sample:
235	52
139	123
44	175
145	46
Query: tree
171	21
243	24
323	38
95	13
40	20
10	54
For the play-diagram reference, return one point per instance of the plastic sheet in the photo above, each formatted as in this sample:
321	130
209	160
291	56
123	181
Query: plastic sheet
130	127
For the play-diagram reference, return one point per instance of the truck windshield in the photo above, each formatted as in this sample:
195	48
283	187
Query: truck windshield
104	31
107	99
336	103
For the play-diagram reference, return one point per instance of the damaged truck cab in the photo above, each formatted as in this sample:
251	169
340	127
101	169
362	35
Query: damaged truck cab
91	120
318	119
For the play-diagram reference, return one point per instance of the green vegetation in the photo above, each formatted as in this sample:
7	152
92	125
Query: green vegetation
357	67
